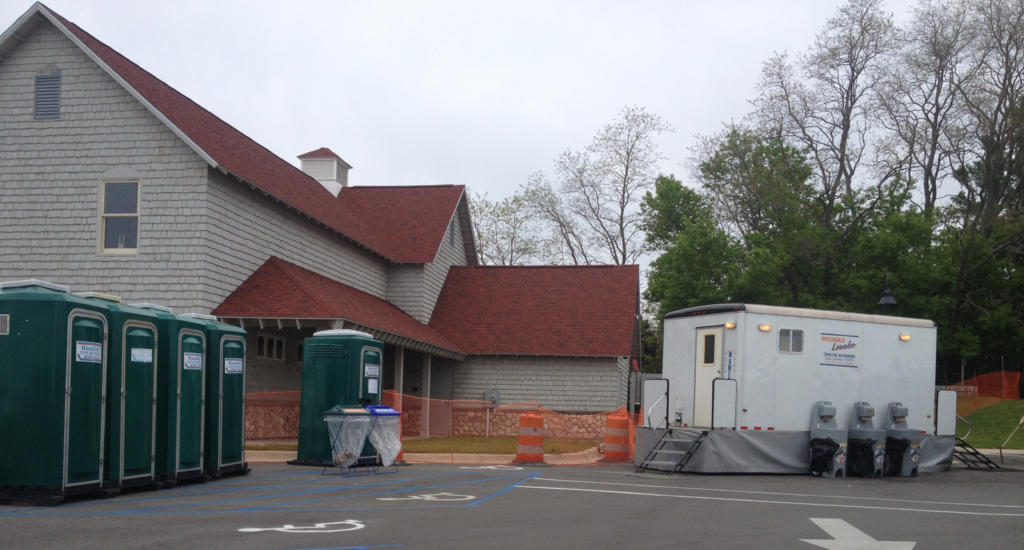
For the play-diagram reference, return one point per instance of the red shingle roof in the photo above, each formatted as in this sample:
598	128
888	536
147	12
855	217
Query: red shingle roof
282	290
323	153
406	220
235	152
540	310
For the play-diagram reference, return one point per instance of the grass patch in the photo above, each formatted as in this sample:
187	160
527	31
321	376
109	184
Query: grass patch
272	447
490	445
463	445
992	425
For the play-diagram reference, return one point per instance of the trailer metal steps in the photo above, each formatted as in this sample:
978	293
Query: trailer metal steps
669	446
971	457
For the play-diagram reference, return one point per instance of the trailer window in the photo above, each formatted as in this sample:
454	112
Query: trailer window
709	350
791	340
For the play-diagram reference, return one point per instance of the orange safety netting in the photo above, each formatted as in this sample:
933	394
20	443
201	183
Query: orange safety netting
985	390
464	431
443	431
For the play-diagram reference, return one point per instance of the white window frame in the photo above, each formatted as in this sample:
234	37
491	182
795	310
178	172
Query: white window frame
803	341
102	216
279	343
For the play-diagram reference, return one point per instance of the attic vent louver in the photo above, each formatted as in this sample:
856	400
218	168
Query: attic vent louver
47	105
5	324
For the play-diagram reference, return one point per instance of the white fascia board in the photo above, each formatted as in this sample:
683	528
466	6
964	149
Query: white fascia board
389	337
131	90
12	31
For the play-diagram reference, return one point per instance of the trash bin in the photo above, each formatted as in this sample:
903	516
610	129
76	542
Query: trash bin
386	434
338	366
224	448
131	389
53	368
181	407
347	429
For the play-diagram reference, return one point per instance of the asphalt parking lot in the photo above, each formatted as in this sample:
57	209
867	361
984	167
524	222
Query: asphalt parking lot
279	507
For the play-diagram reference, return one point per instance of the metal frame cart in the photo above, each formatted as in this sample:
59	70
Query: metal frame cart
355	436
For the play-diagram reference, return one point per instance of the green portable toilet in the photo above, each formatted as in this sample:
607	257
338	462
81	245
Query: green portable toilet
225	397
131	389
181	395
53	368
339	367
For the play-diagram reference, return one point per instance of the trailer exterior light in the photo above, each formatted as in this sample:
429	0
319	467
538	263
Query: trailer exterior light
764	328
905	337
730	324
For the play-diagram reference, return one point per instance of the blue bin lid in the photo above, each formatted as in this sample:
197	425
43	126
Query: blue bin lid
381	410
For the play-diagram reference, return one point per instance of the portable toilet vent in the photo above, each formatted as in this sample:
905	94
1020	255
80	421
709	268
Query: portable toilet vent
828	442
902	445
866	447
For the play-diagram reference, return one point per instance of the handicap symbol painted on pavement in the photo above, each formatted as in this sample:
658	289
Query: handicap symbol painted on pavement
497	467
353	524
435	496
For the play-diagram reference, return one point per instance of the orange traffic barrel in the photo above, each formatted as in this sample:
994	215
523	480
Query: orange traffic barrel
531	440
616	438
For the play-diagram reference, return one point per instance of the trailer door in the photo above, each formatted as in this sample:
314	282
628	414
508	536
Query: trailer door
707	367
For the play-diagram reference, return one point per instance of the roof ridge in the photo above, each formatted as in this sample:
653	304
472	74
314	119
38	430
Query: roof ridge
433	185
546	266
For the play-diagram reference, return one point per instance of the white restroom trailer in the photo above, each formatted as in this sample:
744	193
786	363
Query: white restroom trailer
751	375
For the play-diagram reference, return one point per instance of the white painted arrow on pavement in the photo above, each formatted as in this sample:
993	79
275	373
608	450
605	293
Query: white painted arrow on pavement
848	537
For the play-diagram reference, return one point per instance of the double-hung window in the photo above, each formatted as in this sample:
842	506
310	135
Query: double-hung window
119	217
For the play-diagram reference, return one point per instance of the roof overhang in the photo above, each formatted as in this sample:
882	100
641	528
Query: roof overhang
282	323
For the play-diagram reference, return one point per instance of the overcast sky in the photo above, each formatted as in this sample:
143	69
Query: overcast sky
472	93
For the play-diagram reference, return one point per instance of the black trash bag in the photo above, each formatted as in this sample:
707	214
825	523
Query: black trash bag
822	453
895	448
860	457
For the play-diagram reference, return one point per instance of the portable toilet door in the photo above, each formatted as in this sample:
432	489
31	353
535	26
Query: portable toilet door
707	367
232	402
85	401
137	364
225	397
131	389
180	397
191	402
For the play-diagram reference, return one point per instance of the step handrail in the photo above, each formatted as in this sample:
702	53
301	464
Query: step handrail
968	434
650	410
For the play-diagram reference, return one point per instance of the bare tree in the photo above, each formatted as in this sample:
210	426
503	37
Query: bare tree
920	103
505	232
595	213
823	101
565	243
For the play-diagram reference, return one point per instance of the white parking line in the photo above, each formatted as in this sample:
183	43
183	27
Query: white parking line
755	501
769	493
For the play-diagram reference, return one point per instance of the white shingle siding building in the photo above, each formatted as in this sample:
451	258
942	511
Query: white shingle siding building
75	119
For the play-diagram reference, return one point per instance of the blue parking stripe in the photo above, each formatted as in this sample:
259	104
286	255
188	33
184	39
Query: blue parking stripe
174	510
403	490
505	490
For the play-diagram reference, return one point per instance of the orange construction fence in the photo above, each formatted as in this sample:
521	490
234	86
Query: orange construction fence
985	390
455	431
463	431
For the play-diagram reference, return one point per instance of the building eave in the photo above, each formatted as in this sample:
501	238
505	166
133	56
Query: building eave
387	337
